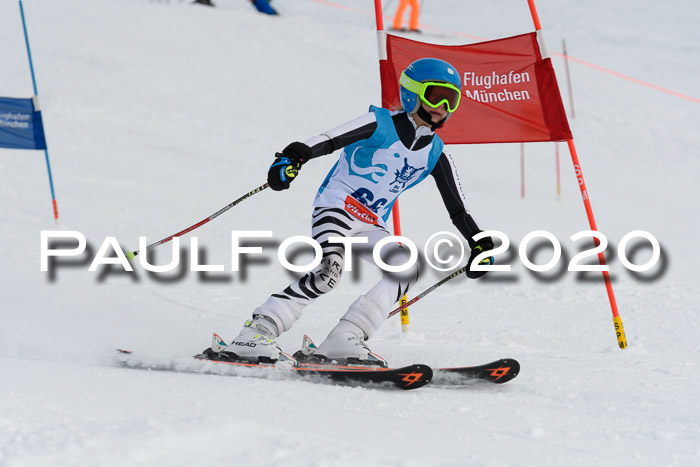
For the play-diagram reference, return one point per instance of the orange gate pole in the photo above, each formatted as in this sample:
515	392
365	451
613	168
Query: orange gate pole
617	320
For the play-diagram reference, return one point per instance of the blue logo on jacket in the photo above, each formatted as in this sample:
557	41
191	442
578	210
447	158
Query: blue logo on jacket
360	164
404	176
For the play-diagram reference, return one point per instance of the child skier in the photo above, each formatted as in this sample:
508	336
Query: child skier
384	153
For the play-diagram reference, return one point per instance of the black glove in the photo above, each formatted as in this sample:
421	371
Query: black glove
287	165
485	244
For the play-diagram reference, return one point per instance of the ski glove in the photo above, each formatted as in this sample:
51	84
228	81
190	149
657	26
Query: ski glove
287	164
485	244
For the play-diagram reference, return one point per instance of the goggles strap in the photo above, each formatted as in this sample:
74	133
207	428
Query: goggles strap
410	84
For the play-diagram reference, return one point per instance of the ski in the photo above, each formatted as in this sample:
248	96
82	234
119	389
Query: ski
210	362
499	372
407	377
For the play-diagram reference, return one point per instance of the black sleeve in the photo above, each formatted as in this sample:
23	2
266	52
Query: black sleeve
448	184
351	132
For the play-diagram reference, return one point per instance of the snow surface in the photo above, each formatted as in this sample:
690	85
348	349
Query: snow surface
158	114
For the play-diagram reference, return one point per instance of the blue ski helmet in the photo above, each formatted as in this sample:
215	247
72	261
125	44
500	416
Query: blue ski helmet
427	69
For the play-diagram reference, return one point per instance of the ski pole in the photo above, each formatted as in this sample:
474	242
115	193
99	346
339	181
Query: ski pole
132	254
426	292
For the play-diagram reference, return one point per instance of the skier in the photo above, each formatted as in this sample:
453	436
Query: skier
398	17
384	153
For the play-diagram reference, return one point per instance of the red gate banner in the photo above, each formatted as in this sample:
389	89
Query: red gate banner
509	92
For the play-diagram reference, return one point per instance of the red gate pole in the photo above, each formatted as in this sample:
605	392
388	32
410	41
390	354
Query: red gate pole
617	320
405	321
381	42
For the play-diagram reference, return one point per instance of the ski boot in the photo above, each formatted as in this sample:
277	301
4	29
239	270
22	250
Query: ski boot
341	347
254	344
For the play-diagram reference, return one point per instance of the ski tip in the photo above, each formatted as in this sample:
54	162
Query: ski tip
124	351
498	372
414	376
130	255
503	370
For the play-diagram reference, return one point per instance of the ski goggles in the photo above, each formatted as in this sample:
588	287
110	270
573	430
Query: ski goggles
433	94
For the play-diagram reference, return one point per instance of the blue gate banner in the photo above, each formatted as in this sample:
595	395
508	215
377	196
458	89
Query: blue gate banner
21	126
